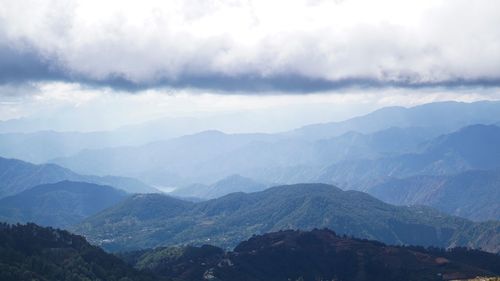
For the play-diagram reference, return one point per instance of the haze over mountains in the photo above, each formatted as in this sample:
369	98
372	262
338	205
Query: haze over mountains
61	204
250	140
433	139
18	176
432	175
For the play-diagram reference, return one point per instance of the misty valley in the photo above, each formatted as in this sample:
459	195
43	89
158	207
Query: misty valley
401	193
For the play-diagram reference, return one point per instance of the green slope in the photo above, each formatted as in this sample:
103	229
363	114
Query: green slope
146	221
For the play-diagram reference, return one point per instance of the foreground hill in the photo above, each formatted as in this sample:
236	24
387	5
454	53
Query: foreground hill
311	256
473	147
59	204
17	176
29	252
146	221
472	194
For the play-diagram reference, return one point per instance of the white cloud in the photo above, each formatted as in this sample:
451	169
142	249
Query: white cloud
146	41
70	107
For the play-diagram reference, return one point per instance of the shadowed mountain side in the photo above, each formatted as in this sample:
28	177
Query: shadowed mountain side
311	256
146	221
59	204
472	194
473	147
17	176
30	252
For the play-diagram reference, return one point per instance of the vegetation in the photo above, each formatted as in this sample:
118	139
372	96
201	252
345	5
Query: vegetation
473	194
60	204
314	255
29	252
147	221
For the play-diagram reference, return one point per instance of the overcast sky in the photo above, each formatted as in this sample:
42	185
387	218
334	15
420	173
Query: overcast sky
327	60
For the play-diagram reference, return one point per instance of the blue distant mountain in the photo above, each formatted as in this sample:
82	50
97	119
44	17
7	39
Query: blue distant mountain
59	204
473	147
17	176
472	194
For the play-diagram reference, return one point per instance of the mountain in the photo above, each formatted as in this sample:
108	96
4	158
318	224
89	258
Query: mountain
42	146
146	221
30	252
17	176
314	255
163	163
440	115
473	147
290	157
183	161
59	204
231	184
472	194
390	139
39	147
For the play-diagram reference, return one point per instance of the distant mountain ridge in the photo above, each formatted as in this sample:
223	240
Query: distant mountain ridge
231	184
17	176
471	194
146	221
473	147
59	204
440	115
182	161
308	154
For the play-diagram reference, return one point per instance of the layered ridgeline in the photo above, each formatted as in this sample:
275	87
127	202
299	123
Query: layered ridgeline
145	221
471	148
29	252
59	204
17	176
472	194
442	116
266	158
311	256
20	142
220	188
396	141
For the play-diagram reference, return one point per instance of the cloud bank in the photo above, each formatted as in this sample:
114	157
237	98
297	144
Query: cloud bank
251	45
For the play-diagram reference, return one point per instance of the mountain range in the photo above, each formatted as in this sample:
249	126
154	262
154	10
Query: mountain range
441	116
471	194
396	142
145	221
220	188
30	252
17	176
472	147
314	255
60	204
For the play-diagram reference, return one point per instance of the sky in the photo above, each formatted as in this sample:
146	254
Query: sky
98	65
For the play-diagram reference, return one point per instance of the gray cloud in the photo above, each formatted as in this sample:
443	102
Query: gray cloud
246	46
